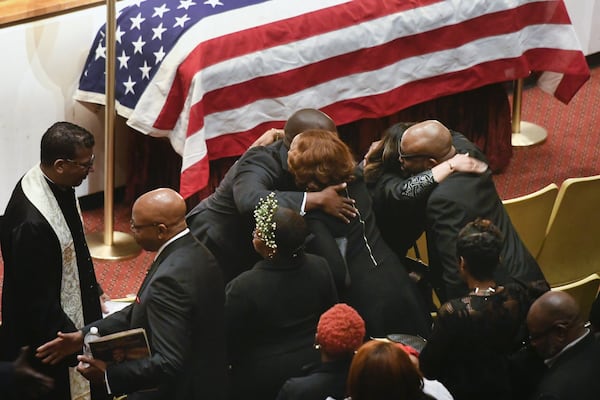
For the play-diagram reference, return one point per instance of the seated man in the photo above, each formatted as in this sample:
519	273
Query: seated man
571	353
223	221
461	198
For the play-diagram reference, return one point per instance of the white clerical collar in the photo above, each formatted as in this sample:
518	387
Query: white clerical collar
168	242
550	361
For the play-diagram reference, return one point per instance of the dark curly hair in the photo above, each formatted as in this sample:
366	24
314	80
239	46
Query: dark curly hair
385	157
319	158
290	232
479	244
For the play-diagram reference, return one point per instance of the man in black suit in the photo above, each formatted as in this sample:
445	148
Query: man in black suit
49	279
265	170
459	199
224	221
180	304
570	351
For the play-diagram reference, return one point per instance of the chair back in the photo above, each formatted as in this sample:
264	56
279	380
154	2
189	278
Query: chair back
571	249
530	215
421	245
584	291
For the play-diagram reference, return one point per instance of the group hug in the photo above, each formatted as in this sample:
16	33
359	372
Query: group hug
291	281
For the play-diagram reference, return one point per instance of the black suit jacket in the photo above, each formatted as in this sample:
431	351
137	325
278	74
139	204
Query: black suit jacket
324	381
181	306
459	199
227	233
261	171
574	375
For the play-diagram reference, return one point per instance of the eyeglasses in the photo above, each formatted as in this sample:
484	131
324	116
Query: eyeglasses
545	332
538	336
86	165
409	156
137	228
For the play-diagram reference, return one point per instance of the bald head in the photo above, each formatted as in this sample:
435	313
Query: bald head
163	210
553	322
305	119
428	137
552	307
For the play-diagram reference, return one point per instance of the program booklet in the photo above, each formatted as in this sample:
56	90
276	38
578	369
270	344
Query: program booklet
122	346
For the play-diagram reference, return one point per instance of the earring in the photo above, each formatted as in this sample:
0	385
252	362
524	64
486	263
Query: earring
317	346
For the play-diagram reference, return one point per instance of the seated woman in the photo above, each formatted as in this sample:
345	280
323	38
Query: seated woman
272	310
341	331
473	336
369	276
383	370
399	199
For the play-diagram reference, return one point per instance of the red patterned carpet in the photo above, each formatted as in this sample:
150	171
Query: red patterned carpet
571	150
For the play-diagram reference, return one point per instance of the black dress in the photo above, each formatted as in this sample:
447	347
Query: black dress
271	315
472	338
369	275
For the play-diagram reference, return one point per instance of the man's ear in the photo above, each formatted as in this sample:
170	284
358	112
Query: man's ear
461	263
431	162
59	165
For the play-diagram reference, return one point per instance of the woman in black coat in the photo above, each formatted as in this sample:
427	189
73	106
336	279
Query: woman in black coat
272	310
369	276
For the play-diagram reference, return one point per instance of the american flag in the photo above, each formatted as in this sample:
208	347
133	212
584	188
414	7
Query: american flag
213	75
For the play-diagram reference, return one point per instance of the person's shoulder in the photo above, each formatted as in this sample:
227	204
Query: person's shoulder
314	259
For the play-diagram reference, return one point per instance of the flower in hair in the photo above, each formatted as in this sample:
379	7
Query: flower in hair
265	226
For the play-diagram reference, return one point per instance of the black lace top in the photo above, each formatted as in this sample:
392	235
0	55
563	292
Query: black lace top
472	339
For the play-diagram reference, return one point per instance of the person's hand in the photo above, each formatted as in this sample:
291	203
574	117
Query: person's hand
92	369
270	136
330	201
372	148
103	299
29	382
64	345
465	163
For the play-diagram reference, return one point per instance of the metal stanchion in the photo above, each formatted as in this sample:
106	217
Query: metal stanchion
524	133
110	245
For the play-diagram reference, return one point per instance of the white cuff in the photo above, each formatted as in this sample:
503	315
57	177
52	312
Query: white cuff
302	212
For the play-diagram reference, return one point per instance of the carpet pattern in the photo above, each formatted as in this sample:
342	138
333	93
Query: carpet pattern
572	149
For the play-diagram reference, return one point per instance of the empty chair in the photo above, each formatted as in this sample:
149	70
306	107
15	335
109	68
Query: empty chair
530	215
571	249
584	291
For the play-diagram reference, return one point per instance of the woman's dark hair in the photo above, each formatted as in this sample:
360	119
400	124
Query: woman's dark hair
62	140
381	370
479	244
385	157
290	232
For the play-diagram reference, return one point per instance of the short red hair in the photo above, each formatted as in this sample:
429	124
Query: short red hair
340	331
319	158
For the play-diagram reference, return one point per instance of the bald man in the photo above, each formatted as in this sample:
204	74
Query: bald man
180	304
459	199
571	353
224	220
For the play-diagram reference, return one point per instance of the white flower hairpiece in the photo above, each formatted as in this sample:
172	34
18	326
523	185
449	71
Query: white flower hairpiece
265	226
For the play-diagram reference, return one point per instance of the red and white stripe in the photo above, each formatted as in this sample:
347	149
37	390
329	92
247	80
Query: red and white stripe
236	74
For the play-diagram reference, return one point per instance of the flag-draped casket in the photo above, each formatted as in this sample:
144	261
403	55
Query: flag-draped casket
213	75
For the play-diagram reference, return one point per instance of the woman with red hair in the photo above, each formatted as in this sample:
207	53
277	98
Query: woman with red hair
368	274
340	332
382	370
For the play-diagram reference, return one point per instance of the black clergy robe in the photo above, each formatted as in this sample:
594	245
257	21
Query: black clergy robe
33	264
